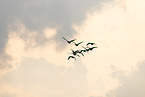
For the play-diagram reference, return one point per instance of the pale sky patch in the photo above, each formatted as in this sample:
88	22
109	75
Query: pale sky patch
49	32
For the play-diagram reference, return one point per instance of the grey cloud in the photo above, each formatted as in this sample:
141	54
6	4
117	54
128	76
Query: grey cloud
47	80
39	14
132	85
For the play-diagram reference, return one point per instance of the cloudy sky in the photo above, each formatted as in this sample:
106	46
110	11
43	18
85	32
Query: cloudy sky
33	55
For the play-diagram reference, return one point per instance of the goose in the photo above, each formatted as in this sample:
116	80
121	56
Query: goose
86	50
69	41
90	43
83	51
77	44
71	57
74	52
92	48
80	52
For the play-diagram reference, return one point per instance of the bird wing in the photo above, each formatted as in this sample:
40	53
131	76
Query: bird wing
88	43
77	51
80	42
72	40
84	47
72	50
65	39
71	57
82	54
78	55
83	50
94	47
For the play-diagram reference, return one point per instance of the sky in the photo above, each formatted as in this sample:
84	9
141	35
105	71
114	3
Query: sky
33	55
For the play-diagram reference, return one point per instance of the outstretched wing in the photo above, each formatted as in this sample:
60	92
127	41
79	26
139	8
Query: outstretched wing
65	39
77	51
84	47
94	47
72	50
72	40
90	43
71	57
83	50
80	43
78	55
82	54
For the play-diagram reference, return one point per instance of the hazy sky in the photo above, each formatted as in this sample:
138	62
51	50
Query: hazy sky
33	55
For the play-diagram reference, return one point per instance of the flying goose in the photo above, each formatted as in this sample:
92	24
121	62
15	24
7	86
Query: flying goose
74	52
77	44
69	41
92	48
86	50
80	52
71	57
90	43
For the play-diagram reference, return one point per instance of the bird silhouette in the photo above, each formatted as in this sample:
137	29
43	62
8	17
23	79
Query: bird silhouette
92	48
74	52
86	50
83	51
71	57
80	52
90	43
77	44
69	41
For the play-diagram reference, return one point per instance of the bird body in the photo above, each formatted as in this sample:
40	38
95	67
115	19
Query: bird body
74	52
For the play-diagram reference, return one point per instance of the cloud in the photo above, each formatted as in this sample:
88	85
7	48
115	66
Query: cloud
37	15
131	85
37	76
118	30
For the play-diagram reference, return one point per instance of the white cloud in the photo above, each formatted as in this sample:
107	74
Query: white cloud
37	76
118	30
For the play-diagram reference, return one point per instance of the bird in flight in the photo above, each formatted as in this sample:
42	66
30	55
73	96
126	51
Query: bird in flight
90	43
69	41
77	53
74	52
86	50
71	57
80	52
83	51
92	48
77	44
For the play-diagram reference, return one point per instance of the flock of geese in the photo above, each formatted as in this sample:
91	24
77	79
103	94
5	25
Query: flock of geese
78	52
